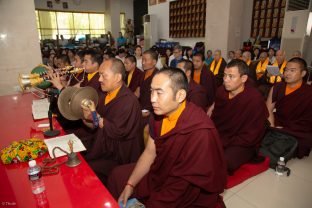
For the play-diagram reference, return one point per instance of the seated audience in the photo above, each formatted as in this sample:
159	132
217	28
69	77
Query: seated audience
262	64
239	114
118	138
238	54
177	52
290	103
281	63
217	66
196	93
203	76
209	58
134	76
182	164
149	61
246	57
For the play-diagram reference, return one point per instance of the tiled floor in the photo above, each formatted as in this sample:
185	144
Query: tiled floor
267	190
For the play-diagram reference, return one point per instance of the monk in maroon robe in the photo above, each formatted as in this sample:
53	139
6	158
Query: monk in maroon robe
252	66
90	77
149	61
74	79
91	63
182	164
217	67
134	76
118	139
196	93
292	101
239	114
203	76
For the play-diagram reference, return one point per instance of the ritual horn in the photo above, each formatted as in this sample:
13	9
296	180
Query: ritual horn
71	98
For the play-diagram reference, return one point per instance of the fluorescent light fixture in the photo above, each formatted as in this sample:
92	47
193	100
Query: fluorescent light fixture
309	25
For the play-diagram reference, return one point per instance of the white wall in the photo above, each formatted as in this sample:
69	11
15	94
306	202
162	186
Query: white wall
161	11
296	40
217	25
235	31
247	18
126	6
19	42
85	5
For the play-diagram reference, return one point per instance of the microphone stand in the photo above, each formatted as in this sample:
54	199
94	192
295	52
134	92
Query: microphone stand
51	132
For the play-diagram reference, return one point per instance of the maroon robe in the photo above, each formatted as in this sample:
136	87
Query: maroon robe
145	92
207	80
189	168
120	141
219	76
241	124
197	94
94	82
294	114
136	80
252	71
240	120
77	78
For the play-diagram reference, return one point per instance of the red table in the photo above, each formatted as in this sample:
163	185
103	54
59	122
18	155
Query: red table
71	187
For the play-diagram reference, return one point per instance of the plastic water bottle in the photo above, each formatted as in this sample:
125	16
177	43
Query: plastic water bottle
280	168
37	184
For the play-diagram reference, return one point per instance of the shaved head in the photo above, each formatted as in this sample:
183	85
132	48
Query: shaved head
118	67
280	56
177	77
246	56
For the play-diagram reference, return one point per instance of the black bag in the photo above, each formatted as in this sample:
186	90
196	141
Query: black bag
276	144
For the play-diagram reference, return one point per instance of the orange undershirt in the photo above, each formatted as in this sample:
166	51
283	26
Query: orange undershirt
292	89
169	122
148	74
130	77
110	96
196	77
91	75
248	62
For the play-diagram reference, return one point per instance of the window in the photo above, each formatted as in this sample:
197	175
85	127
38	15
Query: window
122	23
69	24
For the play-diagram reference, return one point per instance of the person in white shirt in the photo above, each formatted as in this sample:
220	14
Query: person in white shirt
138	56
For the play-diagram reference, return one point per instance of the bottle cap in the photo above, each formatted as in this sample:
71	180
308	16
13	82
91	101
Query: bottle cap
32	163
282	159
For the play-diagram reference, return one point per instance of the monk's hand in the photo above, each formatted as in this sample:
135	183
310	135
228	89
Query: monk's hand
50	70
86	112
268	74
278	127
55	80
127	192
91	105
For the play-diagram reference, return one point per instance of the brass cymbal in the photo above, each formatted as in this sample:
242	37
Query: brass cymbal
81	94
64	101
69	101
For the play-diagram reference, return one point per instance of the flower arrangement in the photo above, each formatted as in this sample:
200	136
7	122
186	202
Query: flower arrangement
23	150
